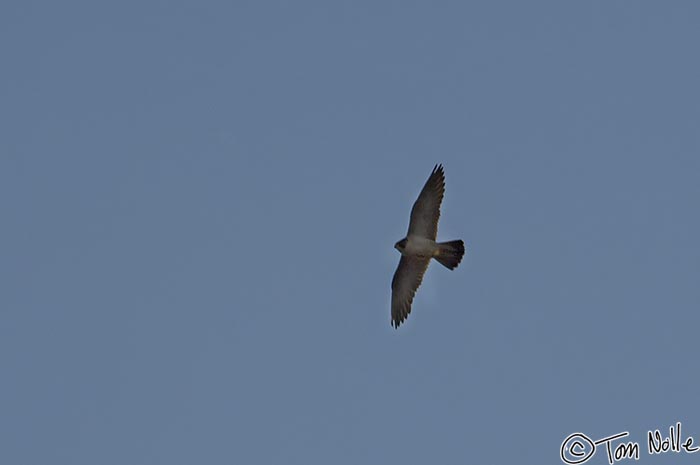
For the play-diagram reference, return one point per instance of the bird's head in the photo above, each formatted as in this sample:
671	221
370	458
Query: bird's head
401	245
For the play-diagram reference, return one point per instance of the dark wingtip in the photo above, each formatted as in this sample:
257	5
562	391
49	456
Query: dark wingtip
399	319
437	178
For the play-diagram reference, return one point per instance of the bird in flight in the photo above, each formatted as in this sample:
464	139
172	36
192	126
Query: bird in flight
419	246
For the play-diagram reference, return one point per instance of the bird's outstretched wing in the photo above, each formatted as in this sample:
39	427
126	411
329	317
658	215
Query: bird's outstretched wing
406	280
426	211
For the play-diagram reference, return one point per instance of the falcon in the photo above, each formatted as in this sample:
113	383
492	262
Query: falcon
419	246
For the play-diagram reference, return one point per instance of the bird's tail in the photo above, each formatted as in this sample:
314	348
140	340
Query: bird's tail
450	253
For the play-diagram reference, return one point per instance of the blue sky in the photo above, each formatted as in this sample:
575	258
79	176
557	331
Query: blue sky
200	202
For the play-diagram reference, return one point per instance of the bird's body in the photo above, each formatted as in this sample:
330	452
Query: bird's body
420	245
417	246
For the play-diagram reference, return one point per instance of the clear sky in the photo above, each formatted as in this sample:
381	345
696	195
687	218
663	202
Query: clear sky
199	204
